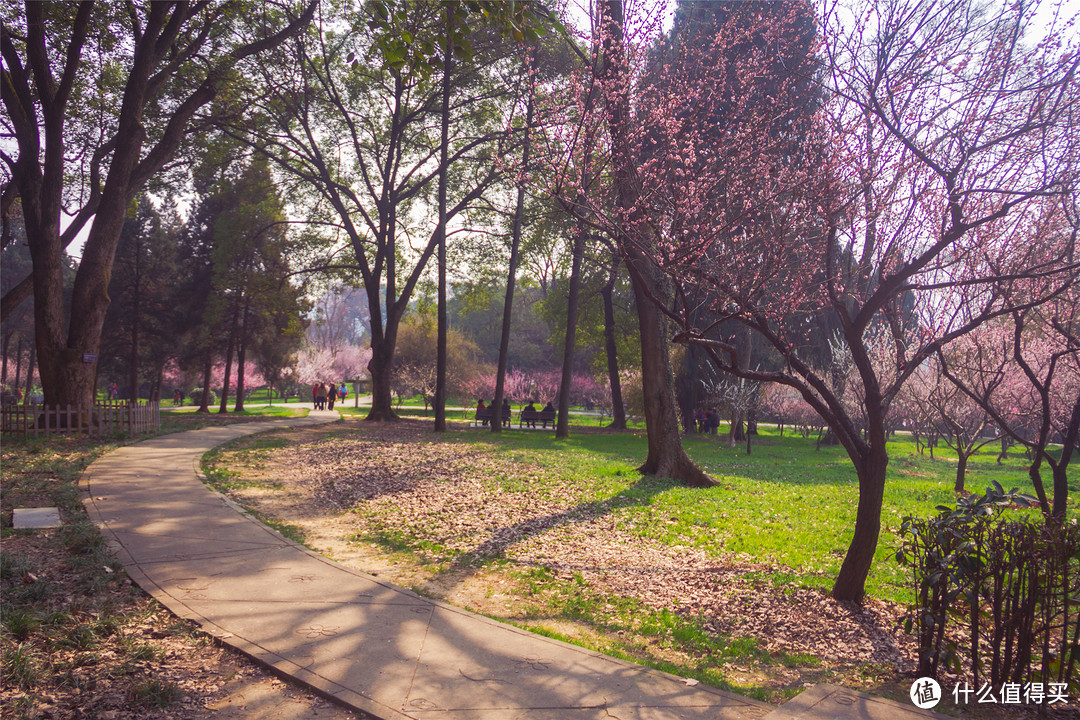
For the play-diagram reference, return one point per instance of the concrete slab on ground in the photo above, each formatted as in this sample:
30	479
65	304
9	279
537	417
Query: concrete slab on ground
35	518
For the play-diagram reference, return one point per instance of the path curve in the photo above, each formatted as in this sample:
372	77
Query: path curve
369	645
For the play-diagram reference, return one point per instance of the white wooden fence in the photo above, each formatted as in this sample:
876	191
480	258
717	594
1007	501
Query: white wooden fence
104	419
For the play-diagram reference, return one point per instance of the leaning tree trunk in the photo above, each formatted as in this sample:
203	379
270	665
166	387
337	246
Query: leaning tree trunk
850	585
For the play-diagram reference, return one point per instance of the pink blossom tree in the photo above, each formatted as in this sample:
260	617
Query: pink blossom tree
1024	370
964	421
893	212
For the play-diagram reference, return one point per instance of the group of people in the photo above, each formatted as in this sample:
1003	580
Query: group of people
324	395
483	413
706	421
529	413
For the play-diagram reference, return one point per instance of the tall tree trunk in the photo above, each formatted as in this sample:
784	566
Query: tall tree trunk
159	379
511	274
208	367
30	372
7	346
18	363
229	348
618	410
133	369
666	457
444	147
241	356
381	370
562	427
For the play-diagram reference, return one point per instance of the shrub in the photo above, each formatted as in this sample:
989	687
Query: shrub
195	396
995	598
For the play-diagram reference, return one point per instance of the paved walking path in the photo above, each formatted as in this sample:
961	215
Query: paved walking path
370	645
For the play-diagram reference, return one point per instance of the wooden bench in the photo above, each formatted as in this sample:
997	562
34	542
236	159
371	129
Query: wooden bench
547	416
483	417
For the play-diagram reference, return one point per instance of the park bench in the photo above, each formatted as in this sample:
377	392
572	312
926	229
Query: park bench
546	416
483	417
528	417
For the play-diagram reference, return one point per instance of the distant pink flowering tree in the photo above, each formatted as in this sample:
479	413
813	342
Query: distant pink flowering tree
1024	372
315	365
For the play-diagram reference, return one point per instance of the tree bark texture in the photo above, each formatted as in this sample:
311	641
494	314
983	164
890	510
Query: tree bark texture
562	426
666	457
208	366
850	584
444	147
381	370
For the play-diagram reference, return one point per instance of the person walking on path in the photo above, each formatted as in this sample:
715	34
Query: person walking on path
331	395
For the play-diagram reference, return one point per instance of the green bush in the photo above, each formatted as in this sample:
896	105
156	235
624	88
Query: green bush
194	397
997	599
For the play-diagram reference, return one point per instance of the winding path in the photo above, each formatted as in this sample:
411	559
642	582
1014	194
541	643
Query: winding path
371	646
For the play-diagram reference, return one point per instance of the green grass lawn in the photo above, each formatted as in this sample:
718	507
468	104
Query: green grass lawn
783	515
785	503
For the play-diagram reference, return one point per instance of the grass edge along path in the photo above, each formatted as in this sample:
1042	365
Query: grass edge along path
661	511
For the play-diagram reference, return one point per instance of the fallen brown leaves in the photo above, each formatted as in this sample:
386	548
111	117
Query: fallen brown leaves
398	479
456	500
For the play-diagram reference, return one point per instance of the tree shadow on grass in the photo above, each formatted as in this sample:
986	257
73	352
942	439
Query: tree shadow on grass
502	539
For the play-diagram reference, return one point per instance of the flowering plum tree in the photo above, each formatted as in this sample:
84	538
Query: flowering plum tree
1024	371
894	212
